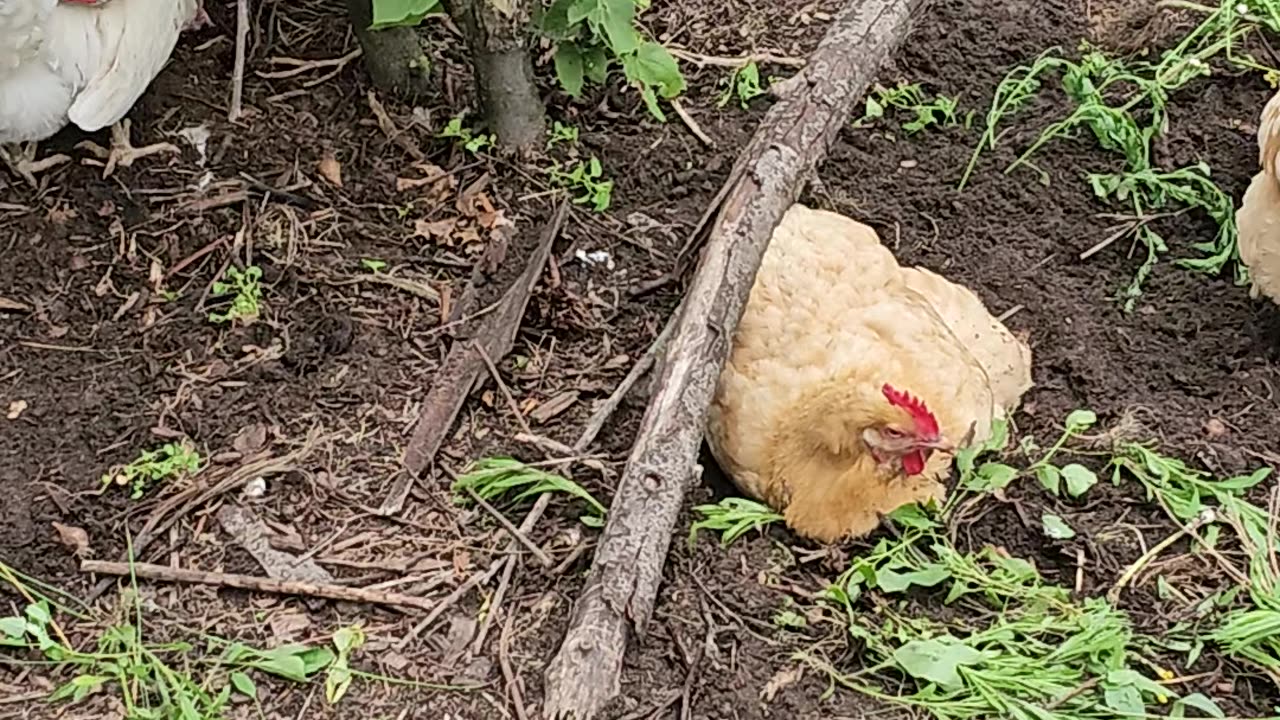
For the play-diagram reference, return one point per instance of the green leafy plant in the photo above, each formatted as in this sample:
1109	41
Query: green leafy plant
561	134
744	84
909	97
338	675
585	180
590	35
402	13
491	478
168	462
470	141
1122	104
373	265
1012	645
246	292
732	517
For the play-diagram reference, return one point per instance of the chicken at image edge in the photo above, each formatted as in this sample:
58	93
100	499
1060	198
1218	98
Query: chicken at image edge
851	380
1258	219
85	62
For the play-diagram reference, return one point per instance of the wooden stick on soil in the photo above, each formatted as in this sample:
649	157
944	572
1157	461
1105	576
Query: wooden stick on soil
165	573
791	140
494	336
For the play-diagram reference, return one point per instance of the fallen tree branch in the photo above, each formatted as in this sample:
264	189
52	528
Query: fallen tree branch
494	336
791	140
164	573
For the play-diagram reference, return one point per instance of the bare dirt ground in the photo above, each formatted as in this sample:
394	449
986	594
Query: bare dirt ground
115	353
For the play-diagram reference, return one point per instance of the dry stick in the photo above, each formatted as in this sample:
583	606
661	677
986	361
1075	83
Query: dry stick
1204	518
237	73
511	529
495	333
795	134
588	435
165	573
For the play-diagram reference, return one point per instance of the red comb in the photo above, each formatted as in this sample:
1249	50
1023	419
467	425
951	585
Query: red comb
926	423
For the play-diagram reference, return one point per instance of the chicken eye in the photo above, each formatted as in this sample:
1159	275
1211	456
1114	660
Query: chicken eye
893	432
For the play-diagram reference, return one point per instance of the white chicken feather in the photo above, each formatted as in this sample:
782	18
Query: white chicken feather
82	62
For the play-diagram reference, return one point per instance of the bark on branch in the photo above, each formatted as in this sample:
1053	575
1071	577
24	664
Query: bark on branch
793	137
497	33
394	57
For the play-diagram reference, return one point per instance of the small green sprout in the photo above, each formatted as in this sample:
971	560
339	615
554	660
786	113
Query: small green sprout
373	265
584	179
168	462
562	134
246	304
744	83
732	517
470	141
909	97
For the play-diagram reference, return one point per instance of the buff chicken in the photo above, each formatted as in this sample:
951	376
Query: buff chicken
85	62
1258	219
851	381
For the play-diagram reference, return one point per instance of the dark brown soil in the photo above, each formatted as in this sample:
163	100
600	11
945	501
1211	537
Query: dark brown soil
333	374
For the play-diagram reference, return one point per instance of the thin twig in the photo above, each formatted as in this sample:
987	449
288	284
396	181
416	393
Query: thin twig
511	529
692	124
237	72
504	660
740	61
164	573
502	387
1204	518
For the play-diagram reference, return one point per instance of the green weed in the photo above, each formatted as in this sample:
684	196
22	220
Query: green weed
168	462
497	477
246	303
470	141
909	97
744	84
732	517
562	134
1123	106
584	179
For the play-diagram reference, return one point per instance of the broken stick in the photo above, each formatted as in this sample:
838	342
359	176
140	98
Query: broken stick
791	140
495	335
165	573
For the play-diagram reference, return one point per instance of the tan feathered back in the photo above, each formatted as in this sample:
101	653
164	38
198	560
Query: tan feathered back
1258	219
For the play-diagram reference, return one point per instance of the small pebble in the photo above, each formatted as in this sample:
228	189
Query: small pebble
908	164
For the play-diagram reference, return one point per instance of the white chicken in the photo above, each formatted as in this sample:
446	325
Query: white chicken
85	62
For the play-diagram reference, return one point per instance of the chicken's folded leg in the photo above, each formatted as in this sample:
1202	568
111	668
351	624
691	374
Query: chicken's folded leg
122	152
24	164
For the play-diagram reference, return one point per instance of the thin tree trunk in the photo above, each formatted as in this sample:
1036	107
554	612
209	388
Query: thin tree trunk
497	33
793	137
393	57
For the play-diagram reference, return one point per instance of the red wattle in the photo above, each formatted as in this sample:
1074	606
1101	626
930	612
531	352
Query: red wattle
913	462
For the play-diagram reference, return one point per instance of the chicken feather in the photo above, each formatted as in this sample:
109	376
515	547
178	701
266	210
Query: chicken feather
830	320
87	64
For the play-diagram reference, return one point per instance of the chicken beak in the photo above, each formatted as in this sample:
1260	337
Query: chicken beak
941	444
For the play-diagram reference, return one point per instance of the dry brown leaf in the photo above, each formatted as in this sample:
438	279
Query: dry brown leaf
440	229
330	169
250	439
438	182
289	625
15	409
553	407
73	538
7	305
781	680
470	196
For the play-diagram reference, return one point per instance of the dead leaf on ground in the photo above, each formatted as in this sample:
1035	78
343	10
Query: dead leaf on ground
15	409
250	439
330	168
438	230
73	538
472	196
780	681
289	625
438	182
553	407
7	305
